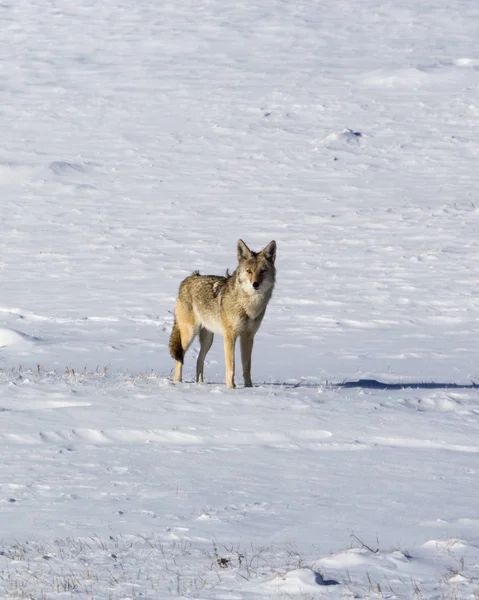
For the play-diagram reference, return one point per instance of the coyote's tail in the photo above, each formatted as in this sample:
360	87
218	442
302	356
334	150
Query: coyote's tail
176	349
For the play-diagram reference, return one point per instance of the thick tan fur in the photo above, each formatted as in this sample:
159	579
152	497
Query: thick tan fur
233	305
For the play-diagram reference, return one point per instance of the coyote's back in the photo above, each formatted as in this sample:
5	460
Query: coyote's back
233	305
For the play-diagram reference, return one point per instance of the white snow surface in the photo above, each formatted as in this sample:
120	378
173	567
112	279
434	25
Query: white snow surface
140	140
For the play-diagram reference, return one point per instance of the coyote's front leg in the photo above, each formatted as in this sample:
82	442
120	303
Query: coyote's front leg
246	343
230	340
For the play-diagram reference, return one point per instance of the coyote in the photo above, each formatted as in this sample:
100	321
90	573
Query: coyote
233	305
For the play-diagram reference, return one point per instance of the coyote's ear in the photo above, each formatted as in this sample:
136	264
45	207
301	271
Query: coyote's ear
243	251
269	251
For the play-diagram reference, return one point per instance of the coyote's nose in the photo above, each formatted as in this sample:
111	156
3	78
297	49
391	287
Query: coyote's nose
256	284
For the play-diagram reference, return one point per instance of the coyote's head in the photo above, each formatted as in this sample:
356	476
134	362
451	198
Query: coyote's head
256	272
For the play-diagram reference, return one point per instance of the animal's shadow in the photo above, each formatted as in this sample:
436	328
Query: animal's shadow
374	384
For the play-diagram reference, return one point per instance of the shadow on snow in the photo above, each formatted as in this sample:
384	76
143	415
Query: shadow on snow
375	384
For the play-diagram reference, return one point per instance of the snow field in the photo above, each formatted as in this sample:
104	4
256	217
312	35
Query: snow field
139	142
220	477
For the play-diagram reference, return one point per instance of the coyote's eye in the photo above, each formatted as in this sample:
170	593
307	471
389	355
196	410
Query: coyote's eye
249	271
263	271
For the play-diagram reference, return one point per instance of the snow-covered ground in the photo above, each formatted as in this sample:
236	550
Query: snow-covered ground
140	140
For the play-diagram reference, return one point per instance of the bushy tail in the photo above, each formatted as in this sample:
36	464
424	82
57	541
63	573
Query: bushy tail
176	349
